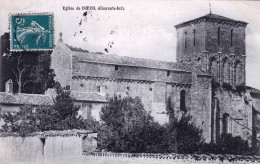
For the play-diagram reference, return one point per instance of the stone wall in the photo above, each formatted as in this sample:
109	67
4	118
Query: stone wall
213	50
127	72
200	105
186	35
238	111
153	94
56	147
61	62
211	39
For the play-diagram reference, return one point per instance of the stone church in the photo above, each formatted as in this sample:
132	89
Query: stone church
208	80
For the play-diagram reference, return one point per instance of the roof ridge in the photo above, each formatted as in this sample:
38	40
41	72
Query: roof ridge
210	16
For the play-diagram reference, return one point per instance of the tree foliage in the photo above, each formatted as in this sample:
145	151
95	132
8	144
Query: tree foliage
227	144
184	136
127	127
29	70
63	115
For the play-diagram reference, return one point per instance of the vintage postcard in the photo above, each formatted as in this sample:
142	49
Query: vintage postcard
125	81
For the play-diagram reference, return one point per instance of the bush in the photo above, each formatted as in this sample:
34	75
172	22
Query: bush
227	144
127	127
63	115
183	136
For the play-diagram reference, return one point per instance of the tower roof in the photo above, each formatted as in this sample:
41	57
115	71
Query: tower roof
210	18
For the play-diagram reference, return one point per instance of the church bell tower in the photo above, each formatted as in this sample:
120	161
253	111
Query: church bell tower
215	44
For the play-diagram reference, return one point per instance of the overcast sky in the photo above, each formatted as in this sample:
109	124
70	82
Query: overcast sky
144	29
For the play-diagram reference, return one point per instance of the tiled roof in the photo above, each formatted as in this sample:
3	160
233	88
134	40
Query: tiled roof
25	99
253	90
131	61
211	16
52	133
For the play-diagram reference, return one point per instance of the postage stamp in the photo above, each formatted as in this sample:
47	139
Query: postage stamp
31	32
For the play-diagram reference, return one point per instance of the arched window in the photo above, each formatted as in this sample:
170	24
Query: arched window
194	37
238	73
225	123
213	66
185	39
199	60
215	122
182	101
225	70
231	37
219	36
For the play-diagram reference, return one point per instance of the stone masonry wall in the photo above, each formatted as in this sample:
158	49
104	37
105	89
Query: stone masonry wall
91	69
153	94
61	62
239	110
185	53
201	104
211	40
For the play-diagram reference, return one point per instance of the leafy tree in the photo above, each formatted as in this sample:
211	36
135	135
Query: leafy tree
183	136
41	77
127	127
29	70
21	122
227	144
60	116
189	137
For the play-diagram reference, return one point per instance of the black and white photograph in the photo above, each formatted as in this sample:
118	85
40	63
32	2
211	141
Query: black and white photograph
129	81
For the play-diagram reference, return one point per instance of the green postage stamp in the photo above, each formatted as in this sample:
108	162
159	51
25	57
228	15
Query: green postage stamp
31	32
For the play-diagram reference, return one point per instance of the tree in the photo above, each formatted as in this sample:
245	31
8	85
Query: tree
42	76
189	137
182	135
127	127
227	144
21	122
60	116
29	70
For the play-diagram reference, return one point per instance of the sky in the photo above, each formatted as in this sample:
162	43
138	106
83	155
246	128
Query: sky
144	29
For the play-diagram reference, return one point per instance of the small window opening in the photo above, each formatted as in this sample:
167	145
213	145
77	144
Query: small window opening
219	36
168	73
182	101
199	60
116	67
231	37
98	88
194	38
225	123
185	39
